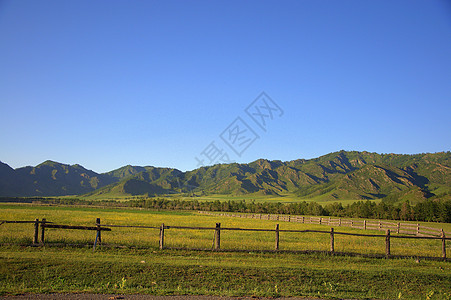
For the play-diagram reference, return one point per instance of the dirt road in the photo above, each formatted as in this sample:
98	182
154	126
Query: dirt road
133	297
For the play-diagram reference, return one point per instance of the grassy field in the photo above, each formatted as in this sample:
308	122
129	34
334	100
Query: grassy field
242	240
282	198
142	268
168	272
213	197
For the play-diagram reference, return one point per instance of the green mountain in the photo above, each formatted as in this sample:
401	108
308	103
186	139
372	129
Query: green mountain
336	176
56	179
51	179
363	175
127	171
149	181
8	180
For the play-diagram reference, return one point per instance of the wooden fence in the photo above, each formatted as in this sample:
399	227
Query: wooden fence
40	238
398	227
98	228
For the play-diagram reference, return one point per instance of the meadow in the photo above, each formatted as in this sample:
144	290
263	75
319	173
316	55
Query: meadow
137	265
282	198
184	238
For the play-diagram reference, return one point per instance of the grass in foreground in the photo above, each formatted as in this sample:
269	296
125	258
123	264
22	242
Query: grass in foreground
170	272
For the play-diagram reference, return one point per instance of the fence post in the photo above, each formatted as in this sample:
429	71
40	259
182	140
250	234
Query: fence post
397	228
162	236
443	245
332	246
418	228
218	236
387	243
339	222
364	224
277	236
36	231
43	231
99	232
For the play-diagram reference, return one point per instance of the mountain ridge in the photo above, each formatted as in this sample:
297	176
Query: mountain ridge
334	176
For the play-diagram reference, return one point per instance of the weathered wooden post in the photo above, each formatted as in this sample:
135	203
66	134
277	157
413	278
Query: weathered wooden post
162	236
364	224
99	231
332	241
387	243
277	237
443	245
418	228
218	236
36	232
98	235
43	230
397	228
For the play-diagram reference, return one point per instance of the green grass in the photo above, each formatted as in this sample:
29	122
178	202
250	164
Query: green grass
141	267
240	240
170	272
343	202
282	198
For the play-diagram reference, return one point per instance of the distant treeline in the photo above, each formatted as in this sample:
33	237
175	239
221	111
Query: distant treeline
428	210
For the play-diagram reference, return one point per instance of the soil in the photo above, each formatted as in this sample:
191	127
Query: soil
133	297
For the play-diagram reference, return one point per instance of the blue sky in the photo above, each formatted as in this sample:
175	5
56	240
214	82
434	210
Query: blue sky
110	83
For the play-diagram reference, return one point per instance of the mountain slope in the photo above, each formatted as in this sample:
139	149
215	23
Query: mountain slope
55	179
126	171
152	181
8	180
334	176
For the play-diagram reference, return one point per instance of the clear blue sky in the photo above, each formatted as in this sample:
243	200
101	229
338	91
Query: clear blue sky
110	83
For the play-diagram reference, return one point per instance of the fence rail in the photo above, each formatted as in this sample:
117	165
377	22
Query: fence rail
398	227
43	224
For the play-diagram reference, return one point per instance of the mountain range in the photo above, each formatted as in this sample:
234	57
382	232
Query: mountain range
335	176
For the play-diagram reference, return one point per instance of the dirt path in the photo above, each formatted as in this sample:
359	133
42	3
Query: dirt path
132	297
